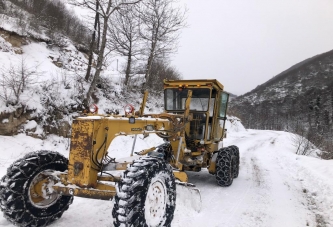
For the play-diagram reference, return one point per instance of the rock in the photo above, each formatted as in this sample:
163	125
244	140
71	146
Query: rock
11	122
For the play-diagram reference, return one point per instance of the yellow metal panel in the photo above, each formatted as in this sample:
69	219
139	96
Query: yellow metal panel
80	154
175	145
181	176
212	168
109	178
92	136
212	164
102	191
212	147
143	104
196	153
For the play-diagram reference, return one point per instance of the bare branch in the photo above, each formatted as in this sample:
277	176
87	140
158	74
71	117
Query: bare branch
160	25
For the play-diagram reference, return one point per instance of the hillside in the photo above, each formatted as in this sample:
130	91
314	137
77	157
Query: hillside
301	72
300	99
52	22
44	74
42	83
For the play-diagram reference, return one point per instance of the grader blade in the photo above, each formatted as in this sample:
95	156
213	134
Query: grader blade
188	195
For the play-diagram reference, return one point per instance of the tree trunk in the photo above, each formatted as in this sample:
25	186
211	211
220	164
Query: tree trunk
100	58
149	64
128	68
91	52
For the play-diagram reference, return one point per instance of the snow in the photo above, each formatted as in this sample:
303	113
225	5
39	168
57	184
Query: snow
30	125
275	186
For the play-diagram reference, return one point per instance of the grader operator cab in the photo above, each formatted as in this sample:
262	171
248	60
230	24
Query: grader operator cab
39	187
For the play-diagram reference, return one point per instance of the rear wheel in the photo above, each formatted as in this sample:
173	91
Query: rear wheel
146	195
26	194
235	152
225	163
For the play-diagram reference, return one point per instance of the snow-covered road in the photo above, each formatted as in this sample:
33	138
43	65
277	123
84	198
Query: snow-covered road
274	188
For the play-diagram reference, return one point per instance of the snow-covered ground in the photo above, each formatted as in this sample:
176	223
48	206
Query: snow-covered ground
275	187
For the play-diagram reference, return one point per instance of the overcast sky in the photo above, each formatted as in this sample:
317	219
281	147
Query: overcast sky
244	43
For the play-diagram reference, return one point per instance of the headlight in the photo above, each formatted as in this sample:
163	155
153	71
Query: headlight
149	128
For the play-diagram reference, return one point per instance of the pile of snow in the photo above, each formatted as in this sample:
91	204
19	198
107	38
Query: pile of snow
234	124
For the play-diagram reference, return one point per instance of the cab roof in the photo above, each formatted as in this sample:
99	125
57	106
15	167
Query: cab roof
198	83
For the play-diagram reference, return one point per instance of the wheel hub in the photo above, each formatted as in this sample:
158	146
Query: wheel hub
155	204
41	193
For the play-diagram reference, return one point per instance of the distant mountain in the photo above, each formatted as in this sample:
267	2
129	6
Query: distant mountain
231	96
299	98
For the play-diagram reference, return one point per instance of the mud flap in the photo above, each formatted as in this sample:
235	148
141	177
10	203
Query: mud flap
188	195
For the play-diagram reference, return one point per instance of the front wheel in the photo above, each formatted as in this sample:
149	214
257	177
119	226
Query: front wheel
26	194
146	196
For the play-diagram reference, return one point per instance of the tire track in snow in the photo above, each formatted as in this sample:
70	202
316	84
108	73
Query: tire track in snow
313	190
285	201
226	203
269	193
257	175
254	213
245	217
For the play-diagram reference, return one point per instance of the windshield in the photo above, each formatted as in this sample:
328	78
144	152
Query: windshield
175	99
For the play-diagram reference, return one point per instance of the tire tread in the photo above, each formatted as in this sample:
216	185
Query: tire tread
14	201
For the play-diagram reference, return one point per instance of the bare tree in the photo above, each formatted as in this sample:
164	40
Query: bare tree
160	25
161	70
15	80
125	38
305	139
301	143
104	9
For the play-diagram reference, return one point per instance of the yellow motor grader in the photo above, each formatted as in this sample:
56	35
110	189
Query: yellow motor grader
39	187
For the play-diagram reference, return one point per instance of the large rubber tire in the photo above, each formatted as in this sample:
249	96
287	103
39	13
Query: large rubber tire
15	190
225	162
235	151
146	182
